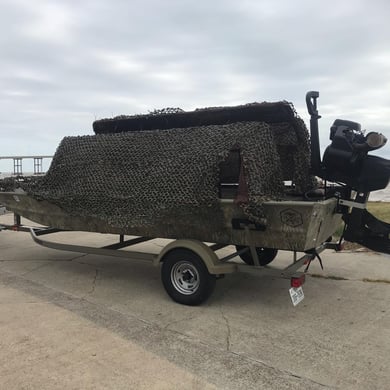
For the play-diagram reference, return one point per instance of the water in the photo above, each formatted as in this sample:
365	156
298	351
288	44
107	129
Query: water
9	174
381	195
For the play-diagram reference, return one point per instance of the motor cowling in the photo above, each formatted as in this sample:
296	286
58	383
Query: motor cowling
346	159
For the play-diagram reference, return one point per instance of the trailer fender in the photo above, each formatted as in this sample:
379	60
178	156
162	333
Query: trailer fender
210	259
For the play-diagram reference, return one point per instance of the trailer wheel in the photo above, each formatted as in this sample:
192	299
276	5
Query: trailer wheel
185	277
266	255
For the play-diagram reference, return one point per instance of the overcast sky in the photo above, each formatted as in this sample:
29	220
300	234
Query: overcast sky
65	63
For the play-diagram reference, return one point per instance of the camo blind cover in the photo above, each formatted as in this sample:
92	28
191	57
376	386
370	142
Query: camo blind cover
136	178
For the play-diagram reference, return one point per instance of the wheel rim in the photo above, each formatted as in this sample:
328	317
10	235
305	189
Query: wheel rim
185	278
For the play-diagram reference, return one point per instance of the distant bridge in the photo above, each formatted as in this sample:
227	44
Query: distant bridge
18	163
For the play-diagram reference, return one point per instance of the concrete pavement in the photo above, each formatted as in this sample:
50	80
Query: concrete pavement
74	321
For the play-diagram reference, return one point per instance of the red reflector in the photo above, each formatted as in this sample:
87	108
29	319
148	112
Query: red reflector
297	281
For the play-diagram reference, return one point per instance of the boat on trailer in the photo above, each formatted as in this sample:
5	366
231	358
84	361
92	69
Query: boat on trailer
239	211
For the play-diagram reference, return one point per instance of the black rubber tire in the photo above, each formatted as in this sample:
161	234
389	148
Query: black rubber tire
177	261
266	255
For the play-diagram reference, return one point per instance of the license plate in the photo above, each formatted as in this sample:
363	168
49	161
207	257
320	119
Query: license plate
296	295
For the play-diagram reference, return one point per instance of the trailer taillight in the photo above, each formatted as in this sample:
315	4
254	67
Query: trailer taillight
297	281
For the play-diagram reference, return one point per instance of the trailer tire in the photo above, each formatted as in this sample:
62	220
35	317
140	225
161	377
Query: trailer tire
265	255
185	277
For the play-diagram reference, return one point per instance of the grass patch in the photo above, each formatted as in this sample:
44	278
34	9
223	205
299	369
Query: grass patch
380	210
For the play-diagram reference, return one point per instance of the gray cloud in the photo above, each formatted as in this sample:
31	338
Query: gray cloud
64	64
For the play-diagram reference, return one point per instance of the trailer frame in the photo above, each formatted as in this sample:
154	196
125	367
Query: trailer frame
216	266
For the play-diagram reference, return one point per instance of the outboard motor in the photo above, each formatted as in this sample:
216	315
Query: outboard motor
346	161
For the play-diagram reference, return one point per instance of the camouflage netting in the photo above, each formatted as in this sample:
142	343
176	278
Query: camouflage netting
138	178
